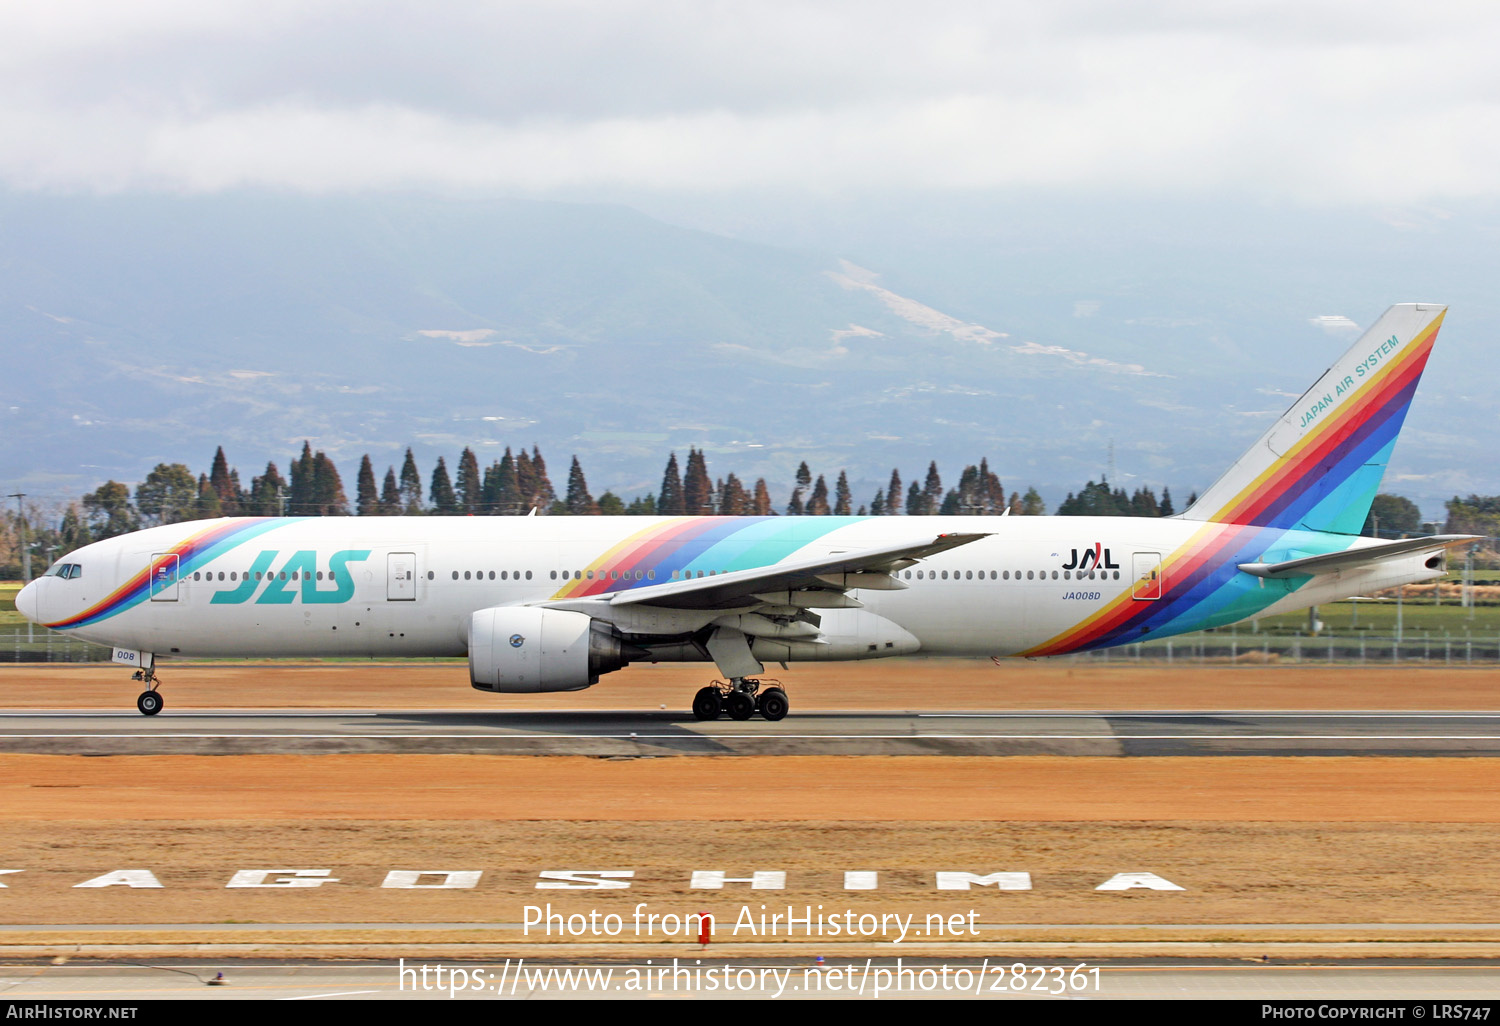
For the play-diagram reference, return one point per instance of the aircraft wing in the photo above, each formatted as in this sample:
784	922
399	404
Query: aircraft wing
833	573
1351	559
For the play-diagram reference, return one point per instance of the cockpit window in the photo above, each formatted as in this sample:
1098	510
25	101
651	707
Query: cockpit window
67	571
75	571
55	570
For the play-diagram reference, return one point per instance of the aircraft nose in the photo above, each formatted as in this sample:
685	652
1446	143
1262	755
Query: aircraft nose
26	601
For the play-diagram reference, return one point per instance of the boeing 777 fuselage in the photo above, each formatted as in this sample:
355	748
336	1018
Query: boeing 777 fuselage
552	603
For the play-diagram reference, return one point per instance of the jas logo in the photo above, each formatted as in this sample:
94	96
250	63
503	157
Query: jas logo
298	577
1096	558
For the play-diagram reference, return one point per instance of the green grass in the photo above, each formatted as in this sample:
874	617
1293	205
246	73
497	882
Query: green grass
1378	617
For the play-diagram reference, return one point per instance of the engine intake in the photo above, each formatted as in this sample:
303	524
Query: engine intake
524	650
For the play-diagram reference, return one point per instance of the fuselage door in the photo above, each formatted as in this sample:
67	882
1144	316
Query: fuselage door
1147	577
163	577
401	576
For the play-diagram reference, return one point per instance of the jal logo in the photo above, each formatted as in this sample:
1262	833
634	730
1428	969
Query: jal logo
516	641
300	577
1096	558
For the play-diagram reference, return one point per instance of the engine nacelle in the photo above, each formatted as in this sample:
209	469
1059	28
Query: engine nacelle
524	649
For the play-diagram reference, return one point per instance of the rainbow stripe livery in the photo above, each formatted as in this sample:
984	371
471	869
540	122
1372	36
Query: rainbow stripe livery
554	603
684	547
195	551
1305	483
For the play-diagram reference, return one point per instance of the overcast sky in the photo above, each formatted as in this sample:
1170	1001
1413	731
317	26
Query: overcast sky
1321	102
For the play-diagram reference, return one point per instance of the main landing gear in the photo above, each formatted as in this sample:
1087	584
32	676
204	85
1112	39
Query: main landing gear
149	702
741	698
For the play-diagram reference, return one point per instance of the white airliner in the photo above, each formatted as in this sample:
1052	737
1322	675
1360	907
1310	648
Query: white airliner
552	603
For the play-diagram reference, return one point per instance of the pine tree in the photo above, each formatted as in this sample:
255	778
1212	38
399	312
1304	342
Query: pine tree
579	502
642	506
1143	503
1032	504
525	482
208	499
328	489
893	495
914	500
734	501
509	501
444	501
670	501
468	484
545	495
761	506
697	489
1165	509
366	498
301	501
817	506
1096	500
796	507
877	504
932	490
411	486
390	495
991	491
266	493
611	505
842	501
489	492
226	484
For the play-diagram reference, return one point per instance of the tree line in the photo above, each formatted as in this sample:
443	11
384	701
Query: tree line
514	485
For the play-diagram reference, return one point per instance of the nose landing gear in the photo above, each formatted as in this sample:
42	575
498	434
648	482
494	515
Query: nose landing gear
741	698
149	702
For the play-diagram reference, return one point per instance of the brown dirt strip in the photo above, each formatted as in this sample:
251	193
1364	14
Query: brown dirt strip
1252	872
914	788
877	685
1252	839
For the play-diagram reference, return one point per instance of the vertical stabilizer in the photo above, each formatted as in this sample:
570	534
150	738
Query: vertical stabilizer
1319	466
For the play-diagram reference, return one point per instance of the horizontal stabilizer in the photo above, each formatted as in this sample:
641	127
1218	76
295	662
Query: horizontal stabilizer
1351	559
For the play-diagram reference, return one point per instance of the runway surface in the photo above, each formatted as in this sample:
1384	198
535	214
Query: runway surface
757	978
634	734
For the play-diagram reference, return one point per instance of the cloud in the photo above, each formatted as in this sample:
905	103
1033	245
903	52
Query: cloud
1326	101
1334	324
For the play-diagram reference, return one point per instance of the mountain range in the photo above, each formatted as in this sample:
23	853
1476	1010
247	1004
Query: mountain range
146	329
